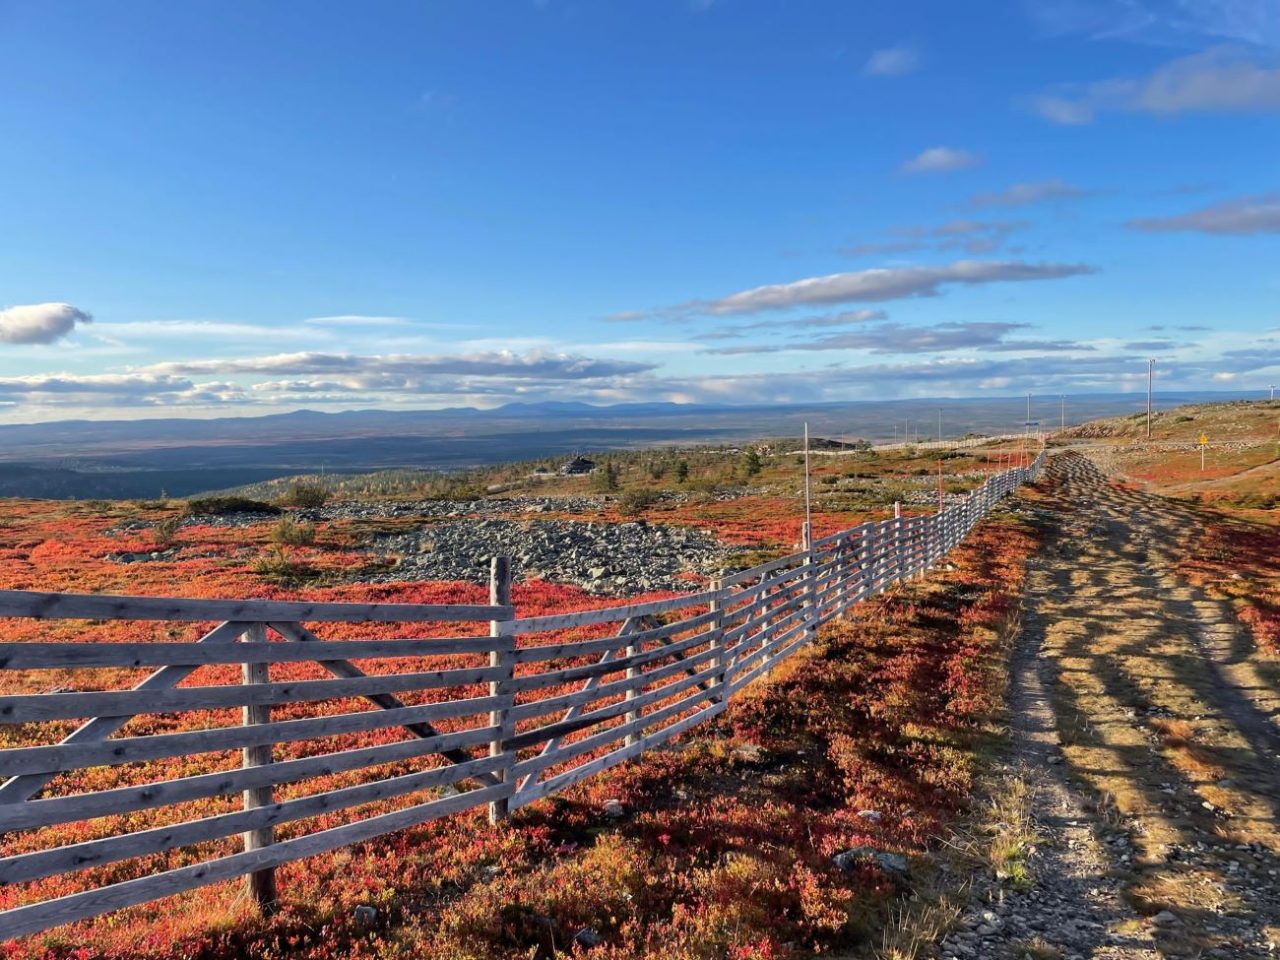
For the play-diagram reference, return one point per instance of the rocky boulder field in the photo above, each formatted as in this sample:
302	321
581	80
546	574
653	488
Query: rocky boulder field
457	538
599	557
400	509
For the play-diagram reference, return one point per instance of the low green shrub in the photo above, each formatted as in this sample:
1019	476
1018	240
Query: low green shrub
165	533
303	494
637	499
291	532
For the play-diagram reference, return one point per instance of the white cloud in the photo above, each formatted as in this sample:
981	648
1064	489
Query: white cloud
1223	79
357	320
822	321
101	391
205	329
940	160
284	379
91	383
1162	22
632	346
407	368
880	248
970	236
899	338
879	284
843	319
1069	113
892	62
1240	217
1025	194
40	322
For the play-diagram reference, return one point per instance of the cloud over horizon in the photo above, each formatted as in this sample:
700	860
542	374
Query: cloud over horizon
883	283
505	364
40	322
899	338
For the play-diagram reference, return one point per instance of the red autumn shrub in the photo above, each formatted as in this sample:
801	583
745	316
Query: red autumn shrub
725	852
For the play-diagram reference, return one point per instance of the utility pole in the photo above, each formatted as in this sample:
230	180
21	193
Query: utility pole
808	512
1063	398
1026	430
1151	373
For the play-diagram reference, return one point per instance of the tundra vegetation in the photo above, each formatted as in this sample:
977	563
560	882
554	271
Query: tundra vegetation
872	740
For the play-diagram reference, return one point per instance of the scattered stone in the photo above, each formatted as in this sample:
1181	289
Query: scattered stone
614	810
605	558
364	915
894	864
586	937
142	556
747	753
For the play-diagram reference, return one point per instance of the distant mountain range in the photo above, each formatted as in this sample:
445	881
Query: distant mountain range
138	458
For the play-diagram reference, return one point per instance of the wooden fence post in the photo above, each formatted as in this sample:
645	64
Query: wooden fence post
633	673
260	884
811	585
502	654
899	572
716	606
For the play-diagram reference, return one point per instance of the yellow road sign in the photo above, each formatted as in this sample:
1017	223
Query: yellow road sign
1204	440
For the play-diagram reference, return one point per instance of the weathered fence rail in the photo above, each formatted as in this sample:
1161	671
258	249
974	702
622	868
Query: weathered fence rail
965	443
508	713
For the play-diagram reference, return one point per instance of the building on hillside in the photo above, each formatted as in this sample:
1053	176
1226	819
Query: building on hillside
577	467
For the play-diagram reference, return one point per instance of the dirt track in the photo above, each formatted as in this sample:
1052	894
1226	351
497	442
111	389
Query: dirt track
1145	729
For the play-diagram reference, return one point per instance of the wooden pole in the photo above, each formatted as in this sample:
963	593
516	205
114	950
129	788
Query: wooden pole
633	673
501	655
897	540
808	510
811	583
1151	372
721	658
939	486
806	539
260	884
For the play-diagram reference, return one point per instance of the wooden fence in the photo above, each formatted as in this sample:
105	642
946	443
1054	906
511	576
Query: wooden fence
502	716
958	443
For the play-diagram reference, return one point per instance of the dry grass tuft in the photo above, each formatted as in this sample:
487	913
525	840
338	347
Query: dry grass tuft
916	925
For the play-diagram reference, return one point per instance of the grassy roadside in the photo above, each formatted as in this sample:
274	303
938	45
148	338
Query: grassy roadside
990	842
872	740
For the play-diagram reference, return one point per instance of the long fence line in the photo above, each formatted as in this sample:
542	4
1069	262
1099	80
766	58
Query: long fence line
510	713
960	443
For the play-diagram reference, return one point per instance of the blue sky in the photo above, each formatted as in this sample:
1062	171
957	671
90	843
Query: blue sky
238	207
